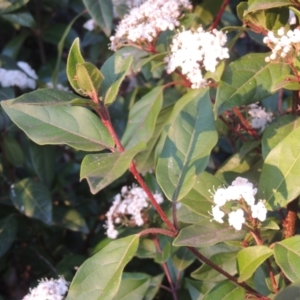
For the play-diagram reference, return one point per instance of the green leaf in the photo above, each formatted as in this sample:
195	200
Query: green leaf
155	283
226	261
22	18
225	290
247	80
8	230
182	257
11	5
33	199
133	286
102	12
277	131
287	256
142	118
89	78
197	289
250	258
12	48
186	150
70	218
290	292
279	178
206	233
102	169
114	71
186	215
45	117
74	58
13	151
43	162
100	276
255	5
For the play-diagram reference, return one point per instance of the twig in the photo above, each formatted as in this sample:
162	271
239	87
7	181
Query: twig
219	15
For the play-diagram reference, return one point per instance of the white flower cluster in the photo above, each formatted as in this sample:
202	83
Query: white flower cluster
282	45
25	79
240	189
48	289
129	204
145	22
259	117
193	51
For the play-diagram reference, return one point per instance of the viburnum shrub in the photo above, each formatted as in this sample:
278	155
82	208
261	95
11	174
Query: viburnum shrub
189	135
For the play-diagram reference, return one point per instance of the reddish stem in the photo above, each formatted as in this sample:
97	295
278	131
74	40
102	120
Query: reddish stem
166	269
219	15
233	129
245	124
157	231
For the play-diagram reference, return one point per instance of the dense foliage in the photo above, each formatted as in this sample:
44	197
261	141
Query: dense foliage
149	149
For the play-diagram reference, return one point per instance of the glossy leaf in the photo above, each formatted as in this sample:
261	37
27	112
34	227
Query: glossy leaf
250	258
277	131
114	71
133	286
225	290
22	18
197	289
226	261
287	256
280	173
102	12
89	78
155	283
186	150
9	6
46	118
206	233
247	80
182	257
102	169
100	276
43	162
33	199
255	5
142	118
69	218
186	215
74	58
8	230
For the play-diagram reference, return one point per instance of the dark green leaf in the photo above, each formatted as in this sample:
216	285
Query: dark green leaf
197	289
21	18
290	292
249	259
142	118
225	290
46	119
100	276
247	80
102	169
287	256
12	48
182	257
279	178
13	151
114	71
33	199
70	218
8	229
11	5
206	233
186	150
102	12
155	283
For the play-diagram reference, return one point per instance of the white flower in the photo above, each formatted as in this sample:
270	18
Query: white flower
58	86
131	202
292	18
217	214
259	117
259	211
90	25
236	219
48	289
220	196
145	22
194	51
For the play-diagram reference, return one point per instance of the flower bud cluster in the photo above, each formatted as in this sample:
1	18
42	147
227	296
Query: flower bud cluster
283	44
145	22
243	191
259	117
129	205
48	289
22	79
194	51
